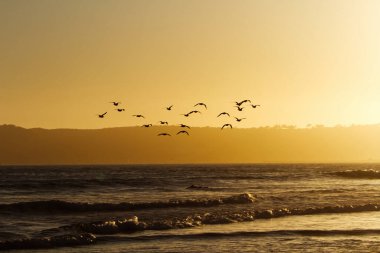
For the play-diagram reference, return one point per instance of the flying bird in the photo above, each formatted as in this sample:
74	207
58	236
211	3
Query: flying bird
254	106
182	125
169	108
163	122
163	134
238	120
138	116
115	103
186	114
102	115
226	125
183	132
242	102
224	113
120	110
194	112
201	104
147	125
240	108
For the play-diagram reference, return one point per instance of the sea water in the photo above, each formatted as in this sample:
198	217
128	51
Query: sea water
191	208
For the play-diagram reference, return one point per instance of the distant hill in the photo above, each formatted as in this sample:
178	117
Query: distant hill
204	145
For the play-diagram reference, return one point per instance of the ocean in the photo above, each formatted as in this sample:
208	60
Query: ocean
191	208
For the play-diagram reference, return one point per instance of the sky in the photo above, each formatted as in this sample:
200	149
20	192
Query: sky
304	62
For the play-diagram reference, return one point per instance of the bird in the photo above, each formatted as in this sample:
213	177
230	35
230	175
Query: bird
147	125
182	125
240	108
169	108
163	122
254	106
163	134
226	125
238	120
138	116
194	112
224	113
186	114
115	103
182	132
102	115
202	104
120	110
242	102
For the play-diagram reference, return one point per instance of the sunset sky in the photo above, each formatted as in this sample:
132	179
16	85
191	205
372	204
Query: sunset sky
305	62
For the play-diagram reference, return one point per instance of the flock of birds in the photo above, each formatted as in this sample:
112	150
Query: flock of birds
238	106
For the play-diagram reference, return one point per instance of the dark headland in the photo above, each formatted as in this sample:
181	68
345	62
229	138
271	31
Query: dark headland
135	145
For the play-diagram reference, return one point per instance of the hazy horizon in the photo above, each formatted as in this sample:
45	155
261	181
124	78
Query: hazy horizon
278	126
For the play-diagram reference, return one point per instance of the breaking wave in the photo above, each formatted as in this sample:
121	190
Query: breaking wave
49	242
88	233
133	224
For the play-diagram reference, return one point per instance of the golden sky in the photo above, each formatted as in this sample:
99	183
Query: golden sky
305	62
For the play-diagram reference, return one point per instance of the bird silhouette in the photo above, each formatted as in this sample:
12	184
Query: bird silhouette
163	134
224	113
201	104
186	114
238	120
226	125
182	125
242	102
183	132
115	103
240	108
194	112
169	108
254	106
120	110
163	122
147	125
102	115
138	116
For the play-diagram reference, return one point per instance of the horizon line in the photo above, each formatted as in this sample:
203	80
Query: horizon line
276	126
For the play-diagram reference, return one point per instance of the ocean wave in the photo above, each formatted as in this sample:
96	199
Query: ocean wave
305	232
70	240
80	239
49	242
366	174
77	183
63	206
88	233
133	224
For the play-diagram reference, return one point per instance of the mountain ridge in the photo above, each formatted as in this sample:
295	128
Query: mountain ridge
136	145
